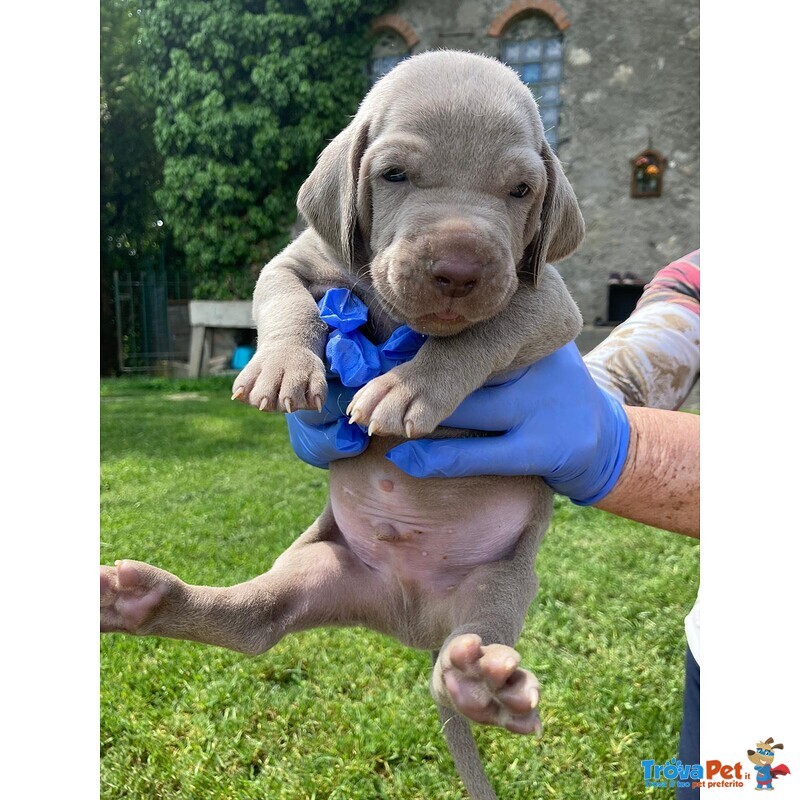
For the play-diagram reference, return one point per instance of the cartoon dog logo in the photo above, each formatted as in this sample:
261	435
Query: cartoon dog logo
762	757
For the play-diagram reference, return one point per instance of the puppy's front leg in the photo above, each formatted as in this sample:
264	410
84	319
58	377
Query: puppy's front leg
287	372
413	398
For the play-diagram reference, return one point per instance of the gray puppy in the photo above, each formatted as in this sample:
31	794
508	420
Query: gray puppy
439	205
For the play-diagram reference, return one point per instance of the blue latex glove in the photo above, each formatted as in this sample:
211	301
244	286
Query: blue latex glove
553	421
319	437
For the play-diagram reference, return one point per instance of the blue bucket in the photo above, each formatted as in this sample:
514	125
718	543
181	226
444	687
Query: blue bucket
241	356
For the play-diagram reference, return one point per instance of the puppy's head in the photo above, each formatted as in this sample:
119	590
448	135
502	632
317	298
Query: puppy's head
444	188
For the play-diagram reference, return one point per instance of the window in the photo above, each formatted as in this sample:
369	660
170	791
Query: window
647	174
534	49
389	50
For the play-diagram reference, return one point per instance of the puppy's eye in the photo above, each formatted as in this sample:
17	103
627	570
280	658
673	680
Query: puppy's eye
520	190
395	175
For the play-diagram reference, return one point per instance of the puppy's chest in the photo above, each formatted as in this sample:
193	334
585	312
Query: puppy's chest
429	532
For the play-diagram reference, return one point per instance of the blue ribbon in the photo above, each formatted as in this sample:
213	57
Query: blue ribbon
352	357
353	360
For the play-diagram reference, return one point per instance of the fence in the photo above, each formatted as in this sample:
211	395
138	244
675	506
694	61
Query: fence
152	319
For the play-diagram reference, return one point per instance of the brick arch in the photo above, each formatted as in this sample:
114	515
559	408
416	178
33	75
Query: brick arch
519	8
394	22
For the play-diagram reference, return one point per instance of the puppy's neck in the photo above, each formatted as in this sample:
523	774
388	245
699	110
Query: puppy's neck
380	324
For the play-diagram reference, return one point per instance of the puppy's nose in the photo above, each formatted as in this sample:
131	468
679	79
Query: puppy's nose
456	276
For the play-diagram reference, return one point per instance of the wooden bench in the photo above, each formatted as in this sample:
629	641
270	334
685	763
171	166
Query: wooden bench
205	316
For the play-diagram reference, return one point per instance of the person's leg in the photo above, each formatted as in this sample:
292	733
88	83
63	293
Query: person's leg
689	743
653	360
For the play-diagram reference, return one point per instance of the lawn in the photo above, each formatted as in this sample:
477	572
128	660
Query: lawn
210	490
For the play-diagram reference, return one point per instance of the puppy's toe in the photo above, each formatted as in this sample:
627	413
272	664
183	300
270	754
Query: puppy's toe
282	379
132	594
395	405
486	685
421	418
264	394
381	405
303	385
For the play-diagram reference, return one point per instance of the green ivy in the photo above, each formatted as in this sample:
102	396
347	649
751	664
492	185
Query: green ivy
246	95
130	165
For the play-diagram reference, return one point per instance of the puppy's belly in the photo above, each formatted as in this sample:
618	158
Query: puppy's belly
429	532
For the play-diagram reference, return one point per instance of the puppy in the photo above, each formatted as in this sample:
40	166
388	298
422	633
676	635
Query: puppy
440	206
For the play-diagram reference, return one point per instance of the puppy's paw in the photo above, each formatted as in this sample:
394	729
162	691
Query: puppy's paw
282	379
133	595
397	404
486	685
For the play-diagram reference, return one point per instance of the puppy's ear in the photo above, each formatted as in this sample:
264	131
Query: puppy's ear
329	198
561	227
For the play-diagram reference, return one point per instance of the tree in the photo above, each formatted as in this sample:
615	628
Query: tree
246	96
130	165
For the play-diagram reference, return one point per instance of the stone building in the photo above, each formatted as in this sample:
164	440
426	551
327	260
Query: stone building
617	84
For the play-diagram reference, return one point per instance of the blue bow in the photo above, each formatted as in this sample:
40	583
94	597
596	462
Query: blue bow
352	357
353	360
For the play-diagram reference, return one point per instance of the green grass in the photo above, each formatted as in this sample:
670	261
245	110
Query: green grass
210	490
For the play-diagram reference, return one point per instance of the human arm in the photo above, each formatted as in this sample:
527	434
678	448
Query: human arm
660	481
553	421
651	361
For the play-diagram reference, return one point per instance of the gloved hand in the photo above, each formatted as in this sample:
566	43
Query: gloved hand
554	422
319	437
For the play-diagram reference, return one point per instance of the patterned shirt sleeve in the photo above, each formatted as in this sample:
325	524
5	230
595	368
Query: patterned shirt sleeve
677	283
653	358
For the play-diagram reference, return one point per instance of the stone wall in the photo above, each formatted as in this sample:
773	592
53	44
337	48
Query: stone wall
630	81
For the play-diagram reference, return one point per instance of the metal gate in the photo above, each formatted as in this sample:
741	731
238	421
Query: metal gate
149	307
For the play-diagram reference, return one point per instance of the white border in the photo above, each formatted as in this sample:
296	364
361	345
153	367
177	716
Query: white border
49	64
750	443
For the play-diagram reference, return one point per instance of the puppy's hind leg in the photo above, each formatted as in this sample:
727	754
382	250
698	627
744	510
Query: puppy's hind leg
477	672
317	581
